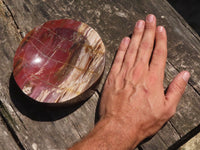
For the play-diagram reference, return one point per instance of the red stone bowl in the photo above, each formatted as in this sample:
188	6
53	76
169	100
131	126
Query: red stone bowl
59	61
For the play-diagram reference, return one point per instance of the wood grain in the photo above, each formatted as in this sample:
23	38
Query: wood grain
45	127
7	141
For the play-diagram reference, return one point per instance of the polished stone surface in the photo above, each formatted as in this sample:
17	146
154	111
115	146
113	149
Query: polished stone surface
58	61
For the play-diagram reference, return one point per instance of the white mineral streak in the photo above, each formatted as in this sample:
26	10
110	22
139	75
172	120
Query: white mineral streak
121	14
43	95
34	146
107	8
77	81
27	90
5	133
162	17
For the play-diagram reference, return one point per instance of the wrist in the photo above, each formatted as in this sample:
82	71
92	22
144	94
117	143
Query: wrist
124	133
110	134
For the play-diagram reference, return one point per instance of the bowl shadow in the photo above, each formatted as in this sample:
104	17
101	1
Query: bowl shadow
36	110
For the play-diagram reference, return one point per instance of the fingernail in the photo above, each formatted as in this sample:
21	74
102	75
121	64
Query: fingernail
139	24
160	29
125	40
150	18
186	76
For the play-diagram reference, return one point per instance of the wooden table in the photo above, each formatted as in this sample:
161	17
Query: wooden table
25	125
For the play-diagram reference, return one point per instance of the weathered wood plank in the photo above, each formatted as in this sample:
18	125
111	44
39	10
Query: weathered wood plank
88	112
123	15
6	140
168	134
8	41
183	43
186	117
31	123
112	20
155	143
49	124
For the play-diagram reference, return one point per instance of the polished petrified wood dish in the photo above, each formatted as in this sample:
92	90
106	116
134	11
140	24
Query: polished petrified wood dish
58	61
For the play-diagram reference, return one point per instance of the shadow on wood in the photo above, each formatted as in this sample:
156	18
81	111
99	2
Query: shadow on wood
185	138
35	110
97	115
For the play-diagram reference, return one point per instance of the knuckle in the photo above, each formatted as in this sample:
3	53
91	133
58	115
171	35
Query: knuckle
178	88
161	35
153	78
171	112
122	49
142	61
138	31
160	52
150	26
110	80
136	73
157	116
146	45
127	64
117	59
155	62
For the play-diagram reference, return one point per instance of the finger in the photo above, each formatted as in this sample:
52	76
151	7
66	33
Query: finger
146	45
158	61
134	44
116	67
177	88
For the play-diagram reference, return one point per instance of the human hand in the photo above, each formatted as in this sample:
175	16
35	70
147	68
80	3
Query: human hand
133	104
133	96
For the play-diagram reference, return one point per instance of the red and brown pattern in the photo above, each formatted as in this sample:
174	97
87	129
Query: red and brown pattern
59	60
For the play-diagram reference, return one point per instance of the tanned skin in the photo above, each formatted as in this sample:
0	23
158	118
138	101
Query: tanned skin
134	105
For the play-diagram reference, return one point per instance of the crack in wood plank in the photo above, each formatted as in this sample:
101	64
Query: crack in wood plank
102	28
3	114
185	138
190	80
183	21
13	18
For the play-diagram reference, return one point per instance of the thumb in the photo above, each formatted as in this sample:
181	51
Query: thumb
177	87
